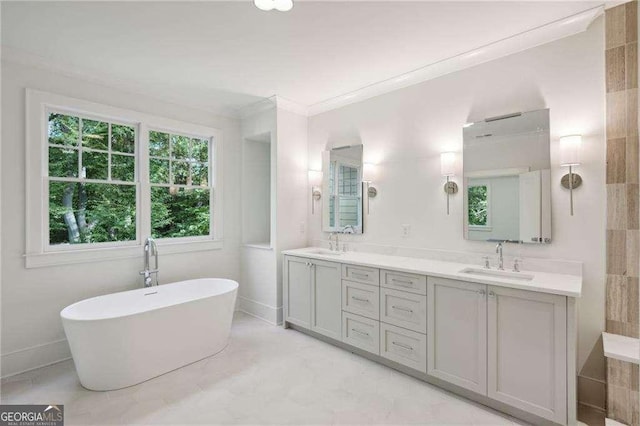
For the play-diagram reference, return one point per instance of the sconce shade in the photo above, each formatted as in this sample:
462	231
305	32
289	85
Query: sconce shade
369	172
570	150
448	163
315	177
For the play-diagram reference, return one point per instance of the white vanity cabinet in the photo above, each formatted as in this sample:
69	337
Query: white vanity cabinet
297	291
527	351
506	347
326	299
508	344
313	295
457	333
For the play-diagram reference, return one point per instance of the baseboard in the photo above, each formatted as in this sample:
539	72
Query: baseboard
38	356
270	314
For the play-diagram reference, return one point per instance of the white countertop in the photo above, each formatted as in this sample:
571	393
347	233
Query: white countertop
543	282
621	347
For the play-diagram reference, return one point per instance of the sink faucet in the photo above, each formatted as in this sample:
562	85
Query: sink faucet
500	258
337	246
150	248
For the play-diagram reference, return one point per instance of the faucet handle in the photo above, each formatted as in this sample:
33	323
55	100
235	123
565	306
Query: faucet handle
487	265
516	264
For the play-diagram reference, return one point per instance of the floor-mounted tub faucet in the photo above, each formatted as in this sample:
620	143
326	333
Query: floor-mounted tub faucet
150	248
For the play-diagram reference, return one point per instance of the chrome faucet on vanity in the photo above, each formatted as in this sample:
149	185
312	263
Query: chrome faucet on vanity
150	248
500	258
331	246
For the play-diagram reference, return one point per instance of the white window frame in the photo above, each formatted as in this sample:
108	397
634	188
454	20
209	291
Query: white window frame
38	251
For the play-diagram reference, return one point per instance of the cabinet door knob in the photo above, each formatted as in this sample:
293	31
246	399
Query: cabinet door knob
492	294
482	292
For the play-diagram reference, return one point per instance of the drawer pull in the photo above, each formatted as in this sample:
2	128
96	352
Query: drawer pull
402	283
359	299
402	345
402	308
364	333
359	275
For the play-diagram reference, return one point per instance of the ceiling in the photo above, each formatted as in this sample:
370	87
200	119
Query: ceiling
222	56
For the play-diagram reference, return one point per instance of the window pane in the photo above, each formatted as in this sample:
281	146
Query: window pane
179	212
95	134
95	165
63	162
123	167
123	138
159	171
179	147
91	213
159	144
477	205
64	129
200	148
199	174
180	170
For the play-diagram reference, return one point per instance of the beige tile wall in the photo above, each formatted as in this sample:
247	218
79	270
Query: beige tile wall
623	238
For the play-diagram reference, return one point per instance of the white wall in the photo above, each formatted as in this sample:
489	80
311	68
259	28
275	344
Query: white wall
256	188
32	334
292	186
405	131
258	285
261	286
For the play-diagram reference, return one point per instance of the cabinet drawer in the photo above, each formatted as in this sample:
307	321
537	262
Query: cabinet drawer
404	309
363	333
361	299
402	281
361	274
403	346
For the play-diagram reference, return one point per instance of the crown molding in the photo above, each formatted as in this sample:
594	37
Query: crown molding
252	109
526	40
291	106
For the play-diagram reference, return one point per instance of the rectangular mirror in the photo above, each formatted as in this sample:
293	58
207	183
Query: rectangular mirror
342	190
507	185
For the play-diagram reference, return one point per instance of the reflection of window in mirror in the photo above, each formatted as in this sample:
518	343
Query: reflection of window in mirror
345	194
478	212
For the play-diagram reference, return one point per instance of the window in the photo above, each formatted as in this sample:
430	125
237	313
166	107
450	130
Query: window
180	191
91	180
478	206
104	178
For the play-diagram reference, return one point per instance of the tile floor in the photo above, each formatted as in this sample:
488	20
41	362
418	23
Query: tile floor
267	375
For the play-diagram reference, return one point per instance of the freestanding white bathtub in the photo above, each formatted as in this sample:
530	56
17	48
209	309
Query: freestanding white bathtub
122	339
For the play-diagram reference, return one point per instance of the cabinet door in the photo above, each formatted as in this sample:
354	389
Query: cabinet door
457	333
326	299
297	276
527	347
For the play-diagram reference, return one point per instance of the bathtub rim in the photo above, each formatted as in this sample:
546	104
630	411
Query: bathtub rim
111	318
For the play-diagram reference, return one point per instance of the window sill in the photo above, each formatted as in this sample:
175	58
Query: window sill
103	254
481	228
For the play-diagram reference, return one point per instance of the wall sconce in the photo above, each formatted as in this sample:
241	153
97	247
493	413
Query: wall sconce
448	169
368	176
315	180
570	157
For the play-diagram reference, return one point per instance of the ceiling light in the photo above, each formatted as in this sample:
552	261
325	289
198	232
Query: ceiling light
264	4
283	5
279	5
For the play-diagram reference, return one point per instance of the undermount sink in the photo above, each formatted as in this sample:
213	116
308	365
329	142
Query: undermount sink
324	252
497	274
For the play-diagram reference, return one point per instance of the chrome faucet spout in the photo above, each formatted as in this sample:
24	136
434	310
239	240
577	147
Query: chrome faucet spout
500	258
150	249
